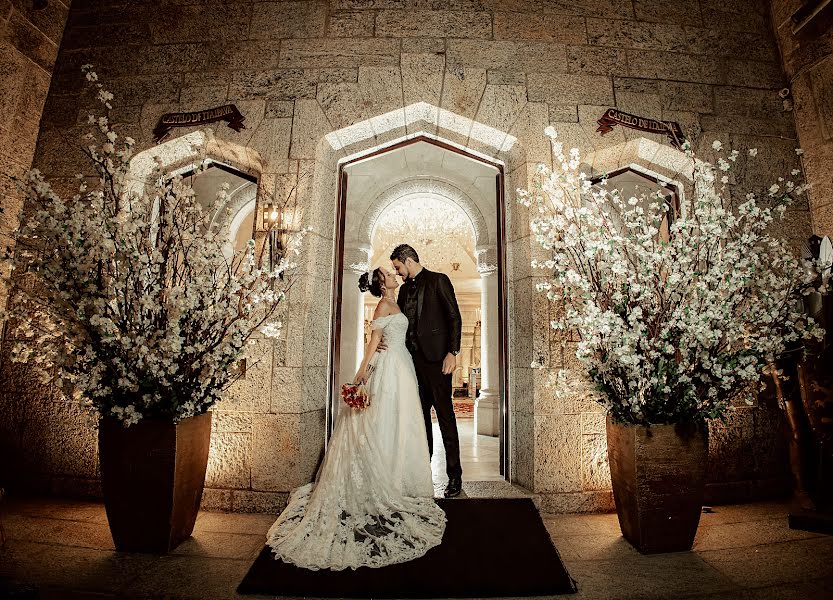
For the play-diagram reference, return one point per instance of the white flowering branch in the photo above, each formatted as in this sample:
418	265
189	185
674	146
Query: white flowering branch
133	298
676	314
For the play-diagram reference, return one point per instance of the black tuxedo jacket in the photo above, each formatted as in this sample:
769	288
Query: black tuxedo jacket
438	324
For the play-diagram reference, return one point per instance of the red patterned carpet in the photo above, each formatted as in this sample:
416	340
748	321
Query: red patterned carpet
463	408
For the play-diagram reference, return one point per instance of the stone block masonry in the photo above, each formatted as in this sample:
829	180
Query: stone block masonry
807	58
299	71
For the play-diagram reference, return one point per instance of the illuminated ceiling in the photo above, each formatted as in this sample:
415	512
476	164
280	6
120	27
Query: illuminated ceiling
439	231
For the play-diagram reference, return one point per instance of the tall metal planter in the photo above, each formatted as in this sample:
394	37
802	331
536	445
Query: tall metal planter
659	477
152	476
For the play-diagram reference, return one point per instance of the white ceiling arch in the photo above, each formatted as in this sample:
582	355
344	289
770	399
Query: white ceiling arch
427	187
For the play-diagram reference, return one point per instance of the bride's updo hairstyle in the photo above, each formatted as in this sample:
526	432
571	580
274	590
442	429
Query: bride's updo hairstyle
372	282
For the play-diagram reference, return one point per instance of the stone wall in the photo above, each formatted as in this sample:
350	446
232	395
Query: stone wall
807	57
321	81
29	40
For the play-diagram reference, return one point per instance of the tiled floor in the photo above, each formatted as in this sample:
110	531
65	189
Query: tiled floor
479	455
63	550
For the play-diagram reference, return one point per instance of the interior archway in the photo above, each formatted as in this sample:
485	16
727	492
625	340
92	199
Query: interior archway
444	203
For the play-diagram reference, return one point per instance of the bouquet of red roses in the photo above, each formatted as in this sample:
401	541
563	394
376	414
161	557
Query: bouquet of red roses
355	394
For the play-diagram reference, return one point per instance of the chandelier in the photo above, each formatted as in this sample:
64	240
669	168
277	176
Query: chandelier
438	230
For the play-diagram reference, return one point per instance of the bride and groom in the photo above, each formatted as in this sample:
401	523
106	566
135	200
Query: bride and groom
372	503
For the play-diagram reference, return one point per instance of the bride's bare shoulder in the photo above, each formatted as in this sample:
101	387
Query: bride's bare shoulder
385	308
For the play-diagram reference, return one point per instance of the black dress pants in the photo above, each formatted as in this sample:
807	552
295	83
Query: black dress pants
435	390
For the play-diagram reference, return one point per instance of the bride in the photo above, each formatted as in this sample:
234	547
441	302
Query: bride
372	502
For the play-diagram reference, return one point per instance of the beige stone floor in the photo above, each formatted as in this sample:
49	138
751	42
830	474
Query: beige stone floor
742	551
479	455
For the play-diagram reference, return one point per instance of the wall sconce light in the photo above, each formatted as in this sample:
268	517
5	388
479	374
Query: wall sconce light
280	222
455	266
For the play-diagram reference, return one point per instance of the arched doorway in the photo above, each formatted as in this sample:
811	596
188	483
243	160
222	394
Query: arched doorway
463	237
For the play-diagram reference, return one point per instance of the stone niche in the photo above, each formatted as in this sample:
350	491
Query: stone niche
336	80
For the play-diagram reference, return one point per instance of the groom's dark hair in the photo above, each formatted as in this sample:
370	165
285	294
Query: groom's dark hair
403	251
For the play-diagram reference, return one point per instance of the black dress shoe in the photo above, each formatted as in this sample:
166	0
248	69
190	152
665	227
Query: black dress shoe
455	485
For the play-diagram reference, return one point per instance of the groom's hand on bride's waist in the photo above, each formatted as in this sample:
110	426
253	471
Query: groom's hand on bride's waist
381	347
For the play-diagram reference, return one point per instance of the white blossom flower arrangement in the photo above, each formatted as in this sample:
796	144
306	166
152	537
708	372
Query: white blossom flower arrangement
675	318
128	297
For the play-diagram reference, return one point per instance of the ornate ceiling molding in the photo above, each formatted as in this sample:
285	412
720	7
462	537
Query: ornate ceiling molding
423	186
486	259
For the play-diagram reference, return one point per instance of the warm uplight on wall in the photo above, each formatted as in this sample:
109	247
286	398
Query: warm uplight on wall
280	222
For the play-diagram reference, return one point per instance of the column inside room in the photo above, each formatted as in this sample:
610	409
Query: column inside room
487	416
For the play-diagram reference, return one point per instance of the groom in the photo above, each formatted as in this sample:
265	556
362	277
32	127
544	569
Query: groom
433	338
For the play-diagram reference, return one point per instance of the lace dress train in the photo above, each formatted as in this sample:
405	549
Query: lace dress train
372	503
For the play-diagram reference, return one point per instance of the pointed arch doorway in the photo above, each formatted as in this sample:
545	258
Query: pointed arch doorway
423	167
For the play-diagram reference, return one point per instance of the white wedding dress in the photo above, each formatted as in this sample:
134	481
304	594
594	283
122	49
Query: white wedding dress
372	503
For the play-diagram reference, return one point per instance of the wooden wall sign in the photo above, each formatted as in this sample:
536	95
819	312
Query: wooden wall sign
168	121
613	117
